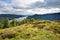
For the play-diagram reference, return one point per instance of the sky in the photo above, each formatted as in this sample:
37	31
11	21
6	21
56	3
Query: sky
29	7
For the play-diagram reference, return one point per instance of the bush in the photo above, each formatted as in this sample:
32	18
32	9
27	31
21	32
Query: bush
55	29
8	36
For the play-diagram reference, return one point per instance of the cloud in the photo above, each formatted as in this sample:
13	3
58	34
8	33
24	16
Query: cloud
46	3
29	7
53	3
24	3
37	4
44	10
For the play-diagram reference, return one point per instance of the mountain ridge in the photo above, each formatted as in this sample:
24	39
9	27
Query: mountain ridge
10	16
52	16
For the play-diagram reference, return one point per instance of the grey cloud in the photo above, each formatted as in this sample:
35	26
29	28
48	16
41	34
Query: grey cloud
47	3
53	3
38	4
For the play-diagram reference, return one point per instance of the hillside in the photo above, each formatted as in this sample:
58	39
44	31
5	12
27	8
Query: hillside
10	16
37	30
52	16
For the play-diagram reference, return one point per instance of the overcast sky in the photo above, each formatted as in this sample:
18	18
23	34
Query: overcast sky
29	7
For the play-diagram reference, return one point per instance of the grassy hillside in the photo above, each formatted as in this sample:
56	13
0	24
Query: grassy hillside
37	30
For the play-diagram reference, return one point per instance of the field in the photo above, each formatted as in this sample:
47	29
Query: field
37	30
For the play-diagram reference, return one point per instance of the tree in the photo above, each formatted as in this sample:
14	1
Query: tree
14	23
32	20
1	26
6	23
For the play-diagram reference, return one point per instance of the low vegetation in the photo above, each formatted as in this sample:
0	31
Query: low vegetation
30	29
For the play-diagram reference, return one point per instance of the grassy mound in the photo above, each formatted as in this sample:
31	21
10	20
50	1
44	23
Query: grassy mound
38	30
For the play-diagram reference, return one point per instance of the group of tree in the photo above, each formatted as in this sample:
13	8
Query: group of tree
5	23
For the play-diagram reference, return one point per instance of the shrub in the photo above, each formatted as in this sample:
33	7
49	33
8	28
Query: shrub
55	29
8	36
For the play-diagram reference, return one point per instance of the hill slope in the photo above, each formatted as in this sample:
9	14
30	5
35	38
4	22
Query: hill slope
10	16
52	16
37	30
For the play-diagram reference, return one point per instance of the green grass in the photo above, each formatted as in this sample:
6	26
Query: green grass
38	30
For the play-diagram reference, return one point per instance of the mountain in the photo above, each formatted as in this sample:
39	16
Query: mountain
52	16
10	16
